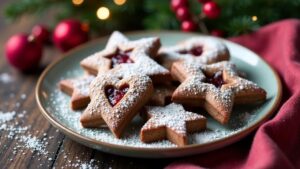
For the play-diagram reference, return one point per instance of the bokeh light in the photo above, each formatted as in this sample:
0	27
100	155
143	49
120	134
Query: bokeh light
77	2
254	18
103	13
119	2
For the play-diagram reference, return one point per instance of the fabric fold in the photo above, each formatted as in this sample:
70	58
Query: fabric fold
276	143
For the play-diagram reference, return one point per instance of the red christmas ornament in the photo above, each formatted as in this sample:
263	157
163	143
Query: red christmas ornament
175	4
182	13
188	26
41	33
211	10
217	32
69	33
203	1
23	52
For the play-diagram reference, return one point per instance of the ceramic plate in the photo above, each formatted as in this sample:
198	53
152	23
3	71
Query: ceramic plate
54	105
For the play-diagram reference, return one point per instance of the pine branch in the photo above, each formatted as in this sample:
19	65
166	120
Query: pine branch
18	8
236	16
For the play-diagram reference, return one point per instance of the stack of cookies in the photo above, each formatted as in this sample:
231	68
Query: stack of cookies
140	77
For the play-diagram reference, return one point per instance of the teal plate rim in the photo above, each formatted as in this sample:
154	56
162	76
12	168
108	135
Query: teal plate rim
147	152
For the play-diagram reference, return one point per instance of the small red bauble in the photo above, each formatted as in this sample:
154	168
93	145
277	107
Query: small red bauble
211	10
69	33
41	33
175	4
203	1
188	26
23	52
217	32
182	13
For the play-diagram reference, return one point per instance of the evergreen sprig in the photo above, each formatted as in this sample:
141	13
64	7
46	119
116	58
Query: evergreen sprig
236	16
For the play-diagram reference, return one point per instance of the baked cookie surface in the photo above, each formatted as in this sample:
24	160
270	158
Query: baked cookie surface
206	50
116	101
78	89
130	57
216	87
171	122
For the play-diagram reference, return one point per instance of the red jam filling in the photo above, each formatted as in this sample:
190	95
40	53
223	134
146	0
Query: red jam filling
196	51
216	79
120	57
115	95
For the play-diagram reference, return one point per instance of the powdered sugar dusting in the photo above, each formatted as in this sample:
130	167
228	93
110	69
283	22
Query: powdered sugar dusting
9	124
6	78
172	116
59	106
4	117
239	121
141	50
82	84
26	139
34	144
139	87
88	166
194	85
213	51
143	65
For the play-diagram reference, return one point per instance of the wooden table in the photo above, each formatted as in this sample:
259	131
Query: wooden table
18	95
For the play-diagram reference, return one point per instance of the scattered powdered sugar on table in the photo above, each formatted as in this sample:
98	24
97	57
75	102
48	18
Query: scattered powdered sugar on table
7	126
4	117
6	78
76	162
88	165
11	129
23	96
11	126
34	144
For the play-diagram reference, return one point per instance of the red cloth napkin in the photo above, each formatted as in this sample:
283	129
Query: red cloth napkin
276	144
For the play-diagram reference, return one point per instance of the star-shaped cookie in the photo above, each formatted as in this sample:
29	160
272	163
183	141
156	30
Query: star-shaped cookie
116	101
216	87
171	122
134	55
206	50
143	65
78	89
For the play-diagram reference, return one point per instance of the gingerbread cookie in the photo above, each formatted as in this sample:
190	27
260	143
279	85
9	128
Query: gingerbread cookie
78	89
116	101
206	50
133	55
216	87
143	65
162	95
171	122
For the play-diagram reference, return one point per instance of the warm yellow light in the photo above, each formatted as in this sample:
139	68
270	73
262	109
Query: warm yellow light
119	2
254	18
77	2
103	13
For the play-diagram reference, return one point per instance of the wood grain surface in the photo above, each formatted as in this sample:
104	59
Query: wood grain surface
62	152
